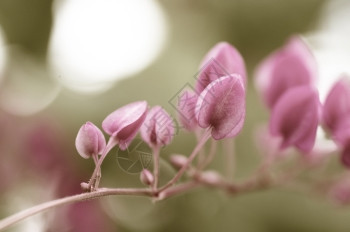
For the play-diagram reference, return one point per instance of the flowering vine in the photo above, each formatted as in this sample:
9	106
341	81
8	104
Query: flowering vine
215	110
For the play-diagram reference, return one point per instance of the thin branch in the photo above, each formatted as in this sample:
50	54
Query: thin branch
205	162
257	183
230	158
6	222
195	151
155	167
94	180
177	189
201	153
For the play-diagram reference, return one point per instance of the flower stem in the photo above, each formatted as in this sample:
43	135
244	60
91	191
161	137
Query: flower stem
181	188
259	182
209	157
96	175
6	222
155	167
195	151
229	159
201	153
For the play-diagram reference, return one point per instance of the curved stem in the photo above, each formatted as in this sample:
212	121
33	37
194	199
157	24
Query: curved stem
230	159
177	189
95	180
6	222
195	151
155	167
257	183
210	156
98	175
201	153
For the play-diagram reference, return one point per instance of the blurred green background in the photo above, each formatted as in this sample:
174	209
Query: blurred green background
38	158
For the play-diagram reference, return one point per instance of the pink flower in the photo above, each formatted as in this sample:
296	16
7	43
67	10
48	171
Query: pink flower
124	123
158	128
221	106
337	105
336	117
341	135
223	59
295	118
291	66
90	141
186	108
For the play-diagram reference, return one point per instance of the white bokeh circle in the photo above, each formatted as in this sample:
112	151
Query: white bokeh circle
97	42
27	87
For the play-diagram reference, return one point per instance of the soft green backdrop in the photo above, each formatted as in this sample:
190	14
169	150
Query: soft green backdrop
255	27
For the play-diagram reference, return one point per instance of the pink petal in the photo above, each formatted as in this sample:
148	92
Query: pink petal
90	140
124	123
186	108
337	104
295	118
223	59
158	128
291	66
221	106
341	133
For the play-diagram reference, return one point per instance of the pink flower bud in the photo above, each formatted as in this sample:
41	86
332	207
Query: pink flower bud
336	116
90	140
221	106
178	161
84	186
211	177
337	105
291	66
146	177
186	108
158	128
124	123
341	135
223	59
295	118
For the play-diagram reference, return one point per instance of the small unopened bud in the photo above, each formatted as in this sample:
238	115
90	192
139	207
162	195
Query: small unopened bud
211	177
178	161
84	186
90	141
146	177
